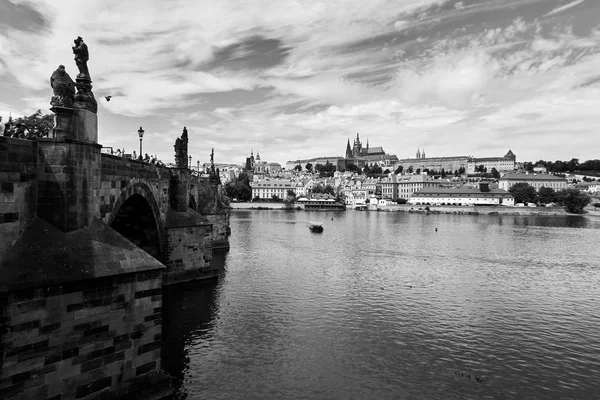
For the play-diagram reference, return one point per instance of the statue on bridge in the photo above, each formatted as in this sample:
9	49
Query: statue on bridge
181	150
81	58
64	88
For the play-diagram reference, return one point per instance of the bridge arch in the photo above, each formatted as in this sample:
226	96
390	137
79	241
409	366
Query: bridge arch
136	216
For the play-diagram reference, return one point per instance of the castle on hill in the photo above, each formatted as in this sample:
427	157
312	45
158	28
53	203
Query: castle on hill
357	155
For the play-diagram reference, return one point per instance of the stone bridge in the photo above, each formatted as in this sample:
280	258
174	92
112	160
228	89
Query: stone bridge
87	241
173	214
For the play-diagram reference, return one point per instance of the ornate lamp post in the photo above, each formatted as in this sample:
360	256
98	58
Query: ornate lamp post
190	158
198	167
141	135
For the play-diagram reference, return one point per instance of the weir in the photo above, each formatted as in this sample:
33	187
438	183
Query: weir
87	241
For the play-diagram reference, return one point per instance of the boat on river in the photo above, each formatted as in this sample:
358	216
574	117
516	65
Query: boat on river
316	227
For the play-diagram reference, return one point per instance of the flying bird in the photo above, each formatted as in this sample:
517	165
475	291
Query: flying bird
107	98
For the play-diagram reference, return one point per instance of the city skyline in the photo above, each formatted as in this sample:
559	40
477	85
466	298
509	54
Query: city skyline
453	77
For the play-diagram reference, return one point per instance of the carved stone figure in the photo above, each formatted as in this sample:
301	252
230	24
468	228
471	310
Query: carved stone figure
81	58
181	149
63	87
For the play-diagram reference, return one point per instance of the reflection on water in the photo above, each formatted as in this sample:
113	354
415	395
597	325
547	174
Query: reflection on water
381	305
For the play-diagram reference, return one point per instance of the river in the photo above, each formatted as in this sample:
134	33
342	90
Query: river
383	306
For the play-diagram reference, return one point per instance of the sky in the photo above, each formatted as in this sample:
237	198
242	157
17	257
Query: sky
296	79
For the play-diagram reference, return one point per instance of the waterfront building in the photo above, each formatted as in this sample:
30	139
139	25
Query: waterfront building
267	188
535	180
409	184
389	187
506	163
462	196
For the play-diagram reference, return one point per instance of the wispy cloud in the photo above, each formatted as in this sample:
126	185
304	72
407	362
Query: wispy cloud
565	7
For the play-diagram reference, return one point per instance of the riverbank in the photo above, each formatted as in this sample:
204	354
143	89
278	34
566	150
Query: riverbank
462	210
474	210
265	206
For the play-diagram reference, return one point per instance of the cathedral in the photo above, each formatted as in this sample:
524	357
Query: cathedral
358	151
357	155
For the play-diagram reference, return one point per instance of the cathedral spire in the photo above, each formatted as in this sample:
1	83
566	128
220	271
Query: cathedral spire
348	150
423	153
367	144
418	153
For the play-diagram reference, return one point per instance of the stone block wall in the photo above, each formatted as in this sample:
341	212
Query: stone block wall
188	253
99	338
178	189
68	175
17	187
221	230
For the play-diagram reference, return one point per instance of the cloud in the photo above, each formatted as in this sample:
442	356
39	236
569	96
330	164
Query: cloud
560	9
456	81
400	25
306	75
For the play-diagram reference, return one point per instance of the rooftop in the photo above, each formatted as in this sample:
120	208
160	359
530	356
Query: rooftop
531	177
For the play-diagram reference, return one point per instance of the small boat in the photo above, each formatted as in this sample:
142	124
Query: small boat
316	227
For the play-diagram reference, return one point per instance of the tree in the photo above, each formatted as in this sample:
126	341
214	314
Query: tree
573	200
387	171
327	170
309	167
461	171
410	169
399	169
298	167
573	165
443	173
546	195
275	199
366	170
352	168
523	193
239	188
328	189
418	171
376	169
401	201
495	173
318	167
37	124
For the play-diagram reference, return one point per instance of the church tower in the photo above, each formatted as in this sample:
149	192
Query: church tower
423	153
356	150
418	153
348	150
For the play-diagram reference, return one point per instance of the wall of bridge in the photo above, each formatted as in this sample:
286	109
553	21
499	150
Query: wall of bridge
18	169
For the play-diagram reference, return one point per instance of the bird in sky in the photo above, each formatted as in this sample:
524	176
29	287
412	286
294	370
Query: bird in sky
107	98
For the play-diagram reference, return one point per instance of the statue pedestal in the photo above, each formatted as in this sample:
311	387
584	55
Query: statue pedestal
85	126
63	122
84	99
